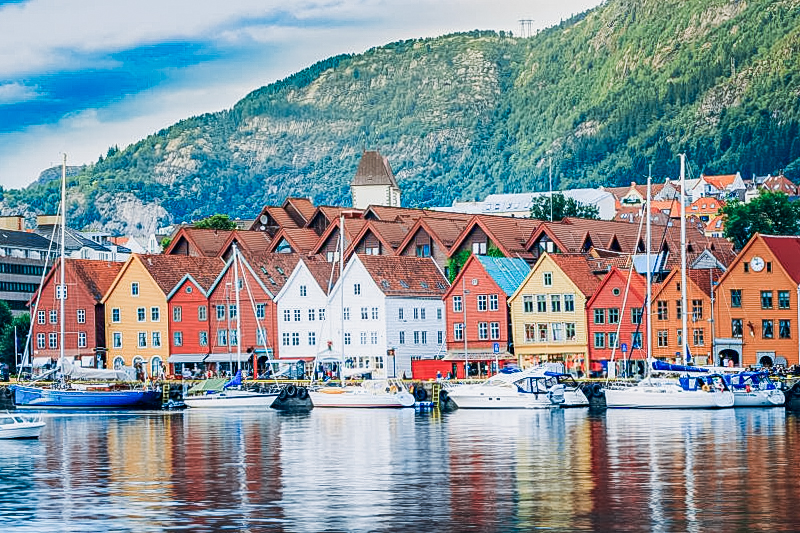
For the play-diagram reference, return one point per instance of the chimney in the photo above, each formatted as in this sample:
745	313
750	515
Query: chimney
13	223
48	220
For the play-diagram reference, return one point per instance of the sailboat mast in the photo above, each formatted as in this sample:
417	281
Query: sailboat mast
238	312
685	356
341	295
649	306
62	292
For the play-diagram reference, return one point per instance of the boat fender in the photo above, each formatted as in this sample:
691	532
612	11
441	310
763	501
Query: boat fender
420	394
597	390
291	391
393	389
282	395
443	397
302	393
7	392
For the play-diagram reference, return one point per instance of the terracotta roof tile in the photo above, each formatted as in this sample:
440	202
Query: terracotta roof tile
576	267
202	242
168	270
413	277
786	250
273	269
96	275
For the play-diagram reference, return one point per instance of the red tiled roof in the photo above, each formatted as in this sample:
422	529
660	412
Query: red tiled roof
780	183
302	240
97	276
576	267
252	240
168	270
413	277
721	181
205	242
704	278
304	206
390	233
322	271
786	250
273	269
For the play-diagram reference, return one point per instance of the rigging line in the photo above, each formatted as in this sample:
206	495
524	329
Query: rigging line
259	329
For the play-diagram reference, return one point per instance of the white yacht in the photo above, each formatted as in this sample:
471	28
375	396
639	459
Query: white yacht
754	389
369	393
14	426
686	392
511	389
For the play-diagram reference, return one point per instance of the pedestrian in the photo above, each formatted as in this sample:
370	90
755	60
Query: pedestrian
438	375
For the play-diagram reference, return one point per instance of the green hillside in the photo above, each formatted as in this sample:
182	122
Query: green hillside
603	95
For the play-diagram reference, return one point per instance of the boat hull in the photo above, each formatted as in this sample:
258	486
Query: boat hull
665	398
231	399
40	398
482	397
575	398
353	398
759	398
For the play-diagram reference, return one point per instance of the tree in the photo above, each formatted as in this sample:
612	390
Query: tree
8	322
562	207
770	213
222	222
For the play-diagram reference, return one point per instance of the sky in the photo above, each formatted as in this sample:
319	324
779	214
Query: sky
79	76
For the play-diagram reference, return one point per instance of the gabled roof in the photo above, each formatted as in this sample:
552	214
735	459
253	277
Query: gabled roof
391	234
786	250
250	240
780	183
638	284
322	271
201	242
272	270
721	181
507	272
445	231
301	240
703	279
507	233
411	277
303	206
169	270
97	276
373	169
352	227
576	268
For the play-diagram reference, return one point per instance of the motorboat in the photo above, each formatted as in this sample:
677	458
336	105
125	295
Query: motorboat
220	394
371	393
573	395
754	389
512	388
691	390
13	426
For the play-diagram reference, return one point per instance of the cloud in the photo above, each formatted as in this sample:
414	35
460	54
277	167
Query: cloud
14	93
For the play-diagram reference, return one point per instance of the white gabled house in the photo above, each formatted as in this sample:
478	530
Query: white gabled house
302	309
386	311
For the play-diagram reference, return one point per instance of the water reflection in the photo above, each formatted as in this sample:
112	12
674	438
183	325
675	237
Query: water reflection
397	470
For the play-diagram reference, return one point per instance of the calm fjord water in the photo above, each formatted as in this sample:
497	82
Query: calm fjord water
397	470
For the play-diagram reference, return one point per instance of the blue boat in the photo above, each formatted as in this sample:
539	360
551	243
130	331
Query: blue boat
28	397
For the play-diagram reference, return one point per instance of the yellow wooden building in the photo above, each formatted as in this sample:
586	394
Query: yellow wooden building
548	312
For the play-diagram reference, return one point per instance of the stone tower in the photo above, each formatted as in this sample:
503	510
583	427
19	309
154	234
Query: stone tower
374	182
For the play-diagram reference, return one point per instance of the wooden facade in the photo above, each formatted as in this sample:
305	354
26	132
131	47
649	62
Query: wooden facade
188	325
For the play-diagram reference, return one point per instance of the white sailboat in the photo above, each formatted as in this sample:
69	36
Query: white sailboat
695	388
231	394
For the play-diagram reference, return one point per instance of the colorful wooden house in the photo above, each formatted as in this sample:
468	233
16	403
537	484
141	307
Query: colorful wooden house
477	314
548	312
756	304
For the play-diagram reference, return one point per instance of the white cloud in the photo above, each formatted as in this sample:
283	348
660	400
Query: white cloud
14	93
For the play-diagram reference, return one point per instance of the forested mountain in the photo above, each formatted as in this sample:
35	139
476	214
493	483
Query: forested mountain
603	95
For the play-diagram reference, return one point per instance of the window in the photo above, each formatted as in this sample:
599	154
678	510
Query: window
312	315
661	310
541	332
769	266
40	341
233	312
494	330
636	315
456	304
679	336
155	314
322	314
285	339
698	337
141	314
569	303
766	299
261	311
599	340
557	330
736	328
416	337
697	311
569	331
663	338
783	299
555	303
203	338
541	303
736	297
785	329
422	313
81	339
177	338
261	336
373	337
527	304
530	333
312	338
53	316
479	248
142	339
678	310
636	339
423	250
547	279
613	315
135	288
767	329
356	289
52	340
40	318
220	312
365	313
375	313
295	339
202	313
483	330
222	337
612	339
439	337
599	316
438	313
177	311
346	313
402	337
458	331
303	290
81	316
482	302
364	337
116	340
156	339
416	313
493	302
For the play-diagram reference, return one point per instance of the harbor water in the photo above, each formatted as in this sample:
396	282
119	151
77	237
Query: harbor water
405	471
